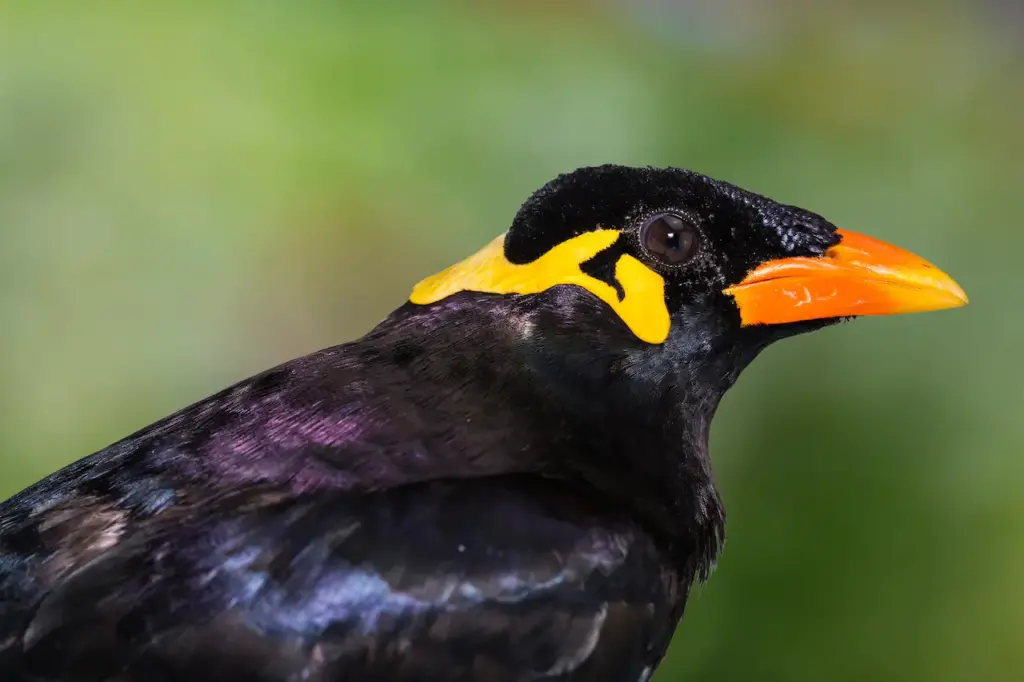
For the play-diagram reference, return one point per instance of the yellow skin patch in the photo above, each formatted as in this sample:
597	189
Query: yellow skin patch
643	308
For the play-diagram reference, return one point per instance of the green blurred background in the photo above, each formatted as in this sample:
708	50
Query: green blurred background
193	191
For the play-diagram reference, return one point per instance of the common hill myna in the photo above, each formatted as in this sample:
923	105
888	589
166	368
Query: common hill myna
506	480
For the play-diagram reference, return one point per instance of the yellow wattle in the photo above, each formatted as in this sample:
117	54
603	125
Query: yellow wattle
643	307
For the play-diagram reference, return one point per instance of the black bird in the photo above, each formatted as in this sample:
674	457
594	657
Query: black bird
505	480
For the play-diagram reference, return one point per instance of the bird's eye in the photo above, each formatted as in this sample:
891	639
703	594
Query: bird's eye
669	238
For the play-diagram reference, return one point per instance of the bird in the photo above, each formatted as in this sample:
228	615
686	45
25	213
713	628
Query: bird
507	479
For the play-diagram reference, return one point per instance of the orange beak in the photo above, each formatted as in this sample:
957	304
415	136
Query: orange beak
858	276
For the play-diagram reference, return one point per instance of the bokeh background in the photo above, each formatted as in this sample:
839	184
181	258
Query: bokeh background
193	191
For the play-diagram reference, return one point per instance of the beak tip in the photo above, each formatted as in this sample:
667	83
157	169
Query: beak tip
958	295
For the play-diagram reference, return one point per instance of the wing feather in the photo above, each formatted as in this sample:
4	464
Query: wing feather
505	579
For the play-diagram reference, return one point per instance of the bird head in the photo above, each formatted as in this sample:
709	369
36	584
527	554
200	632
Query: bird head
671	253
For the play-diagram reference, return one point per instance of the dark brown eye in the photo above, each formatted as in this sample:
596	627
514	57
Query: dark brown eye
669	238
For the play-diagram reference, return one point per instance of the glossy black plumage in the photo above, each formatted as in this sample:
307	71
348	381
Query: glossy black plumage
397	585
487	488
